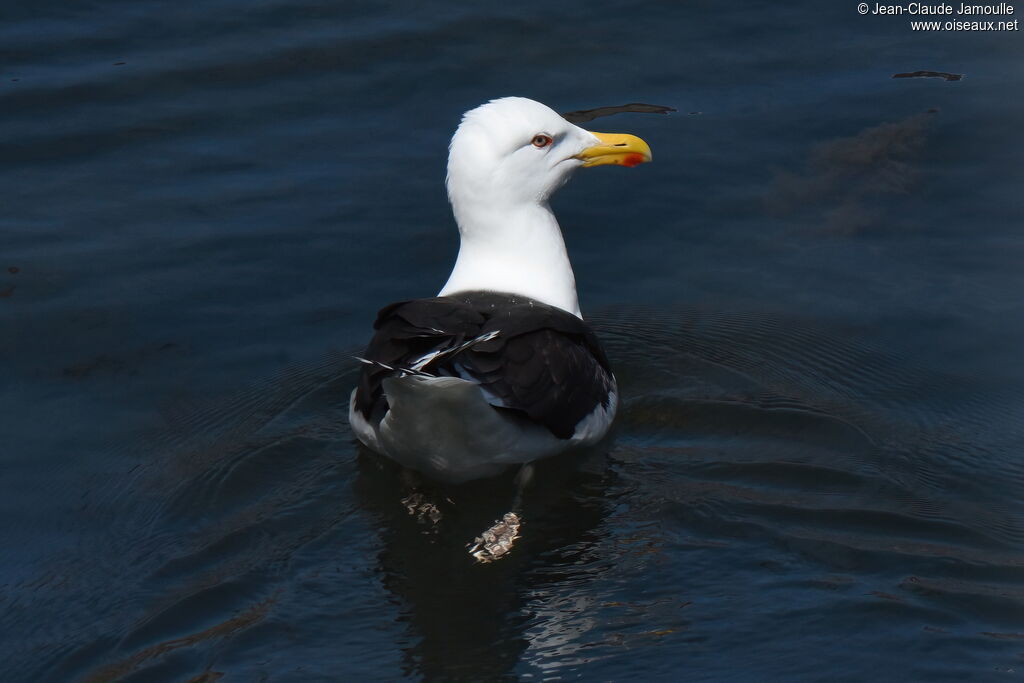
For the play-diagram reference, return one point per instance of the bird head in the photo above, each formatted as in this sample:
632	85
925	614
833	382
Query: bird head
514	151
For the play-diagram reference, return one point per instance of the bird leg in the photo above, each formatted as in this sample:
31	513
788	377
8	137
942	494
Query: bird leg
523	479
497	541
416	503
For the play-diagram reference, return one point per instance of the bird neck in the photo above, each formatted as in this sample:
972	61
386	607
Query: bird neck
518	250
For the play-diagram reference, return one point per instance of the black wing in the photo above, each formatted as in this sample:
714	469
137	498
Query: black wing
542	362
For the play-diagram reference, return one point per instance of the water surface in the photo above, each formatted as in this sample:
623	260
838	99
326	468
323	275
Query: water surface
812	301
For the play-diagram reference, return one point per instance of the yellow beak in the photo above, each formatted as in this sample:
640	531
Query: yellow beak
615	148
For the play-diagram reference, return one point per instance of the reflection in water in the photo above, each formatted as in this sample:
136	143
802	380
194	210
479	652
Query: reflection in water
467	619
765	478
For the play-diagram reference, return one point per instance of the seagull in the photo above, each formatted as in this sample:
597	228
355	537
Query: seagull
498	369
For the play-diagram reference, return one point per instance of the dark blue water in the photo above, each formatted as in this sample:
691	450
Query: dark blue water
812	300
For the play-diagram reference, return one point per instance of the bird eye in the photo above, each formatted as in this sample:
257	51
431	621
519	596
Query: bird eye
541	140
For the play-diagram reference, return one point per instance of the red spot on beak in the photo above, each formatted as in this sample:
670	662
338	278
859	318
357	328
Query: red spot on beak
632	160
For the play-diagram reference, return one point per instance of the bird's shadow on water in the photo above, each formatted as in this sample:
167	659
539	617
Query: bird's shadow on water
467	618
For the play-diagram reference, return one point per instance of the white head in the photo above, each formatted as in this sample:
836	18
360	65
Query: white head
514	151
505	161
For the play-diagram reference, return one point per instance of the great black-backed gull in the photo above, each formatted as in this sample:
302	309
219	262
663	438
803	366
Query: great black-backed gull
499	368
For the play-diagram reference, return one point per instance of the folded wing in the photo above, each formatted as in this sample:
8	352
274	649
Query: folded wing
531	359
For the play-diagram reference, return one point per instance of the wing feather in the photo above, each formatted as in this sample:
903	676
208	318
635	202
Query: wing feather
542	362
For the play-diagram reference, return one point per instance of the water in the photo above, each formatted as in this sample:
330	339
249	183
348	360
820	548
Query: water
812	300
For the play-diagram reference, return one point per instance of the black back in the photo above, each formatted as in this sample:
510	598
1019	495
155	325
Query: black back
545	363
